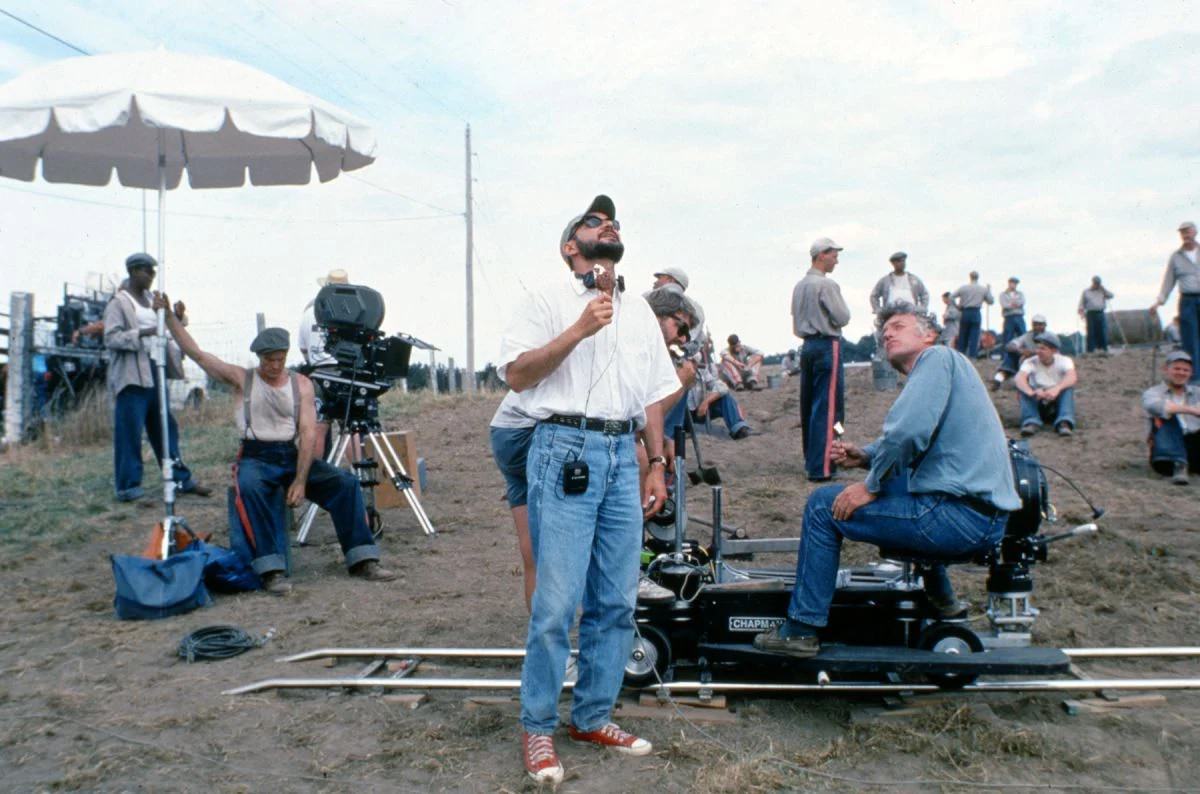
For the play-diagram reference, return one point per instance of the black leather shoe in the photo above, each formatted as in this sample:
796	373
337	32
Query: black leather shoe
799	647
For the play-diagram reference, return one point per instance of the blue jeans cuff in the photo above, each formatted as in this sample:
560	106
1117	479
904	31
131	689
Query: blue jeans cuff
368	551
269	563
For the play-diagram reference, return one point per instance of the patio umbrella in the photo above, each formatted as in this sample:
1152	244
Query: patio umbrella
153	115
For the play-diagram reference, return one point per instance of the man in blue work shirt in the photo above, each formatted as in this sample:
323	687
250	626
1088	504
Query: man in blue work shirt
939	482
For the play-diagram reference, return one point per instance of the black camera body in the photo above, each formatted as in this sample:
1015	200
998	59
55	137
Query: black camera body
368	361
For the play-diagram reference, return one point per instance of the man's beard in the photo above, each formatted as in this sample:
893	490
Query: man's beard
601	249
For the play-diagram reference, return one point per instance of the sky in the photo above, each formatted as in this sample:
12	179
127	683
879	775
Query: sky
1034	139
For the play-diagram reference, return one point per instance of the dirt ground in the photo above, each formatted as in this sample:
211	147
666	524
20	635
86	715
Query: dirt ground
88	702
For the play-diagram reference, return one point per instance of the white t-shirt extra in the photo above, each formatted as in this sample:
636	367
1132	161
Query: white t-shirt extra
1043	376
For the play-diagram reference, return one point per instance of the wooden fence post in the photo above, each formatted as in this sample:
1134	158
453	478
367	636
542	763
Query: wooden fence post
18	395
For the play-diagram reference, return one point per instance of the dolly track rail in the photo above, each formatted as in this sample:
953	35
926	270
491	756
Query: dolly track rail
1043	685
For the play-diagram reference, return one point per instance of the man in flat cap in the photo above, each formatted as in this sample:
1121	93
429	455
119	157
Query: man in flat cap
1092	305
276	422
1012	307
1173	418
969	298
129	324
897	287
1046	383
1018	350
1184	269
818	315
591	369
671	275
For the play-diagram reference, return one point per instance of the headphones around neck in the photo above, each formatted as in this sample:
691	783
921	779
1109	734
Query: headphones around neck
589	280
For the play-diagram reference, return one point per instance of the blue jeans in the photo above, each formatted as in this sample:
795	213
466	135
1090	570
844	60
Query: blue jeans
968	332
510	448
822	401
674	418
262	475
1097	331
922	523
1014	326
1035	412
726	409
1170	445
135	410
586	548
1189	330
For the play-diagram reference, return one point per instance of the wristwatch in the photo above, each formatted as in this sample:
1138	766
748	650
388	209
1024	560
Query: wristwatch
658	459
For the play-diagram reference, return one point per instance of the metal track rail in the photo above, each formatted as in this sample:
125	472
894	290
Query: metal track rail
519	653
1047	685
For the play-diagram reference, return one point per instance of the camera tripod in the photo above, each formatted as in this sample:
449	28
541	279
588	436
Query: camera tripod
365	431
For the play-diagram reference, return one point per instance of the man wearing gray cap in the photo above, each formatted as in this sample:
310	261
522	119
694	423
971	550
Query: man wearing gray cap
818	315
1012	307
591	368
1018	350
969	298
1184	270
1046	383
1173	418
277	423
896	287
1092	304
671	275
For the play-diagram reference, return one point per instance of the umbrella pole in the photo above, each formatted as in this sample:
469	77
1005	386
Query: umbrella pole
168	462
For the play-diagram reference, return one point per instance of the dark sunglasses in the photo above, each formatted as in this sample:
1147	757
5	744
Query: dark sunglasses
682	327
593	222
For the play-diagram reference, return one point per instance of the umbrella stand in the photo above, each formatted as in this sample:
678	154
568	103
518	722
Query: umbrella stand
160	364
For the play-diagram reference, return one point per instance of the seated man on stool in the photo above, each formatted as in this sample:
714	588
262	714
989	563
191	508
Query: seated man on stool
275	410
1173	410
939	482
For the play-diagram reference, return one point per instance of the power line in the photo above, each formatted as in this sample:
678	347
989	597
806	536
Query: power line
403	196
245	218
44	32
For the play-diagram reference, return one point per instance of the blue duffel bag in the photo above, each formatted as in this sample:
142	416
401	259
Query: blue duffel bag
150	589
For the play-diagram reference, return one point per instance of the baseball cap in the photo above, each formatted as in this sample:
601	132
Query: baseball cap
337	276
1186	225
269	340
821	245
1049	339
1014	279
1178	355
675	273
140	260
1039	318
601	203
897	255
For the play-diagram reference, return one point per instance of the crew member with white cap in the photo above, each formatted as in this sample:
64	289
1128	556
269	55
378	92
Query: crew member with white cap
1184	269
818	315
671	275
1173	415
312	347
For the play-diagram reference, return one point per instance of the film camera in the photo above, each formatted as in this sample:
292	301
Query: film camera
368	362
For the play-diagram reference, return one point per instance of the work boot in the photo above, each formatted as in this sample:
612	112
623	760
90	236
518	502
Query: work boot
801	643
1064	429
372	571
541	762
1179	474
1029	429
740	433
649	590
276	584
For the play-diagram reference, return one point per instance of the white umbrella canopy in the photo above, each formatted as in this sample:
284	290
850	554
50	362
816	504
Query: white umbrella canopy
83	117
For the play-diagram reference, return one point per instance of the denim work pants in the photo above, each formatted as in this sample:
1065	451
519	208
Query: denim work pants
922	523
1036	412
135	410
1189	330
1170	445
586	547
968	332
1014	326
822	401
1097	331
261	478
727	410
674	418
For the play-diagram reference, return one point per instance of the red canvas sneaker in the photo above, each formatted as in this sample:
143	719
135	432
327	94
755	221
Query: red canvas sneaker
541	762
612	736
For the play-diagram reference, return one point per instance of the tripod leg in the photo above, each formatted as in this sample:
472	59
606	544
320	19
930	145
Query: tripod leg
399	477
334	458
367	483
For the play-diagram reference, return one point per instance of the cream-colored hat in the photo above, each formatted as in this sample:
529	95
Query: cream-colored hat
338	276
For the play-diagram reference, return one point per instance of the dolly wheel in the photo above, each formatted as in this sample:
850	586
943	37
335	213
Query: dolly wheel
951	638
650	653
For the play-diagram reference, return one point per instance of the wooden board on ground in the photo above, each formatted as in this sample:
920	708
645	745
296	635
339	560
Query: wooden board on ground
715	702
670	712
1107	706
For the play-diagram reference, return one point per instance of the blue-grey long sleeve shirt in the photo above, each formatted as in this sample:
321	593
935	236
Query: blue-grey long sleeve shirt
944	429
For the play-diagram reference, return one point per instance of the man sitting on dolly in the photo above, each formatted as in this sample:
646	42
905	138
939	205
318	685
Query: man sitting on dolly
939	482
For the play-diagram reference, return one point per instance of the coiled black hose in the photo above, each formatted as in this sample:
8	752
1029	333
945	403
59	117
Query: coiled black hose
219	642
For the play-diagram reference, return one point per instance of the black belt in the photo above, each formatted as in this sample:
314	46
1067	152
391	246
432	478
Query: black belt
253	448
609	427
981	506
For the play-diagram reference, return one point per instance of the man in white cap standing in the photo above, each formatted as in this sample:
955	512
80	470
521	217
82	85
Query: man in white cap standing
312	347
818	315
1184	269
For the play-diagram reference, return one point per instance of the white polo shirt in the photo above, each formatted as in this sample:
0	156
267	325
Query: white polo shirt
613	374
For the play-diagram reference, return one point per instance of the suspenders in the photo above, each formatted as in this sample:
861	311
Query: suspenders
248	384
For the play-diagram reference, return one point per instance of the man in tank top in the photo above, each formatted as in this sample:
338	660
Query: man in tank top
276	421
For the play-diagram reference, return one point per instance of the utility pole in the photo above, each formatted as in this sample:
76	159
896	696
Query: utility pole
469	380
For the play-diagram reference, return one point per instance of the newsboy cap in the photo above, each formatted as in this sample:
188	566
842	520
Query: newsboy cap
270	340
